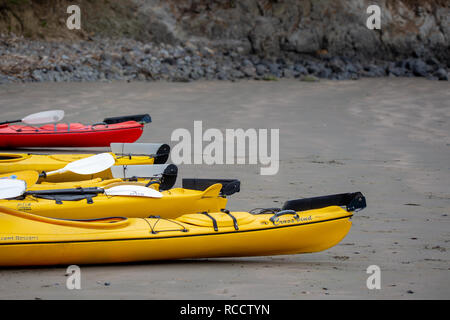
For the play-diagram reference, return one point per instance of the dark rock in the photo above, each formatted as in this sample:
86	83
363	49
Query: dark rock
441	74
274	69
419	68
313	68
249	71
221	75
169	60
336	65
324	73
350	68
395	70
37	75
288	73
373	70
301	70
261	69
236	74
246	62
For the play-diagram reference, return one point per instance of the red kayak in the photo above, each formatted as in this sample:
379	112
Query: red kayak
119	129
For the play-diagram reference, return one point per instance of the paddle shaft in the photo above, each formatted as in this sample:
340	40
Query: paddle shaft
8	122
91	190
44	174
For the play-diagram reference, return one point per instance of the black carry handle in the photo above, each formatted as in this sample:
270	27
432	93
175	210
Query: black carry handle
229	186
143	118
99	124
281	213
352	201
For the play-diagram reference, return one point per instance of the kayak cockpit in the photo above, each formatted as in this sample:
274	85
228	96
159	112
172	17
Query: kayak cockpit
12	157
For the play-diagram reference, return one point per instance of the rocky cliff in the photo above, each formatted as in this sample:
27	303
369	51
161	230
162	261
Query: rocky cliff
413	39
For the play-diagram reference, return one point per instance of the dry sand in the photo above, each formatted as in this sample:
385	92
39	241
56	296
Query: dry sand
388	138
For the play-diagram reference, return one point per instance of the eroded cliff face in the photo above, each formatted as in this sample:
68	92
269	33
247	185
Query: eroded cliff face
186	40
271	28
263	27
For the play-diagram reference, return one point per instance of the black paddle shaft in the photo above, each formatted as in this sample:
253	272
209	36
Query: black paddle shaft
8	122
91	190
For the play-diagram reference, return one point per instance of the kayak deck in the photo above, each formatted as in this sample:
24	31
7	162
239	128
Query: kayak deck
69	135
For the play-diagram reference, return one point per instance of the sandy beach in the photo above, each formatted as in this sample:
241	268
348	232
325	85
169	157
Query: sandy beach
386	137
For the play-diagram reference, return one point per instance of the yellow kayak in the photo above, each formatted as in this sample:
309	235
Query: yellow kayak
165	177
315	225
10	162
73	204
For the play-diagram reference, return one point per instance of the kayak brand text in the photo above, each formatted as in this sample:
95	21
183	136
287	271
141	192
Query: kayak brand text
294	219
234	146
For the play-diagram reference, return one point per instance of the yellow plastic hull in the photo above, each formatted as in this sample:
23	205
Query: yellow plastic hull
27	240
175	202
10	162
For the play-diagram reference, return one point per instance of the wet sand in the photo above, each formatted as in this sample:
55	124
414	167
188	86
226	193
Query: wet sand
388	138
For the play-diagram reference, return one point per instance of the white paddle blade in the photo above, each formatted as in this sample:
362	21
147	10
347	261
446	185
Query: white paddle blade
90	165
139	171
135	148
44	117
133	191
11	188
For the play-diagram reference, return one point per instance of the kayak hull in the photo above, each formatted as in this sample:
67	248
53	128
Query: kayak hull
12	162
29	240
80	136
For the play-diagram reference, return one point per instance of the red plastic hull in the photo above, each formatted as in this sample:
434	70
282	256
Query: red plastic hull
77	136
